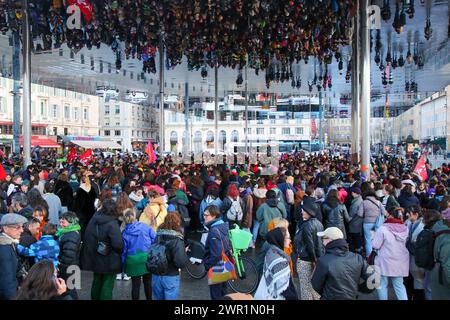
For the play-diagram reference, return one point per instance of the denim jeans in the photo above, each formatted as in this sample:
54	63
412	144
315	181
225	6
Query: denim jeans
399	288
165	287
427	285
368	237
255	229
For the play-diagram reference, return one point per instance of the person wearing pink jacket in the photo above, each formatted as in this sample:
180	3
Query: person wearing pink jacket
392	256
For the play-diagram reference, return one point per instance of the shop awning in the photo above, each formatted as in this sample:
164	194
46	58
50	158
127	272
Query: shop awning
41	141
101	144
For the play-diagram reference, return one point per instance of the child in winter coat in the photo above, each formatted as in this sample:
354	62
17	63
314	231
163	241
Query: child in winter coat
137	238
47	248
69	238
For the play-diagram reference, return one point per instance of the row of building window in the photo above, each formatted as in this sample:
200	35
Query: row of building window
55	110
284	131
116	109
142	134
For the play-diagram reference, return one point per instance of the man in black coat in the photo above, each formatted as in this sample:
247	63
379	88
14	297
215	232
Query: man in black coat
30	230
338	272
10	266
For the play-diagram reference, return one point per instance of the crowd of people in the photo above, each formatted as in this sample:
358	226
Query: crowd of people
320	230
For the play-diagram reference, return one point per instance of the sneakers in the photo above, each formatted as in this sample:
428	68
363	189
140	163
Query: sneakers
252	244
123	276
126	277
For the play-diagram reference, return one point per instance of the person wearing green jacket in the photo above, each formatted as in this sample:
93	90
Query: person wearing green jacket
440	275
268	211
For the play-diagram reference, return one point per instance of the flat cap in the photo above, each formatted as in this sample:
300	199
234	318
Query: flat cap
11	219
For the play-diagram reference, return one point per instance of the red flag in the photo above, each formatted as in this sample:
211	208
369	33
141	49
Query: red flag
85	8
313	126
86	157
421	169
2	173
150	152
72	156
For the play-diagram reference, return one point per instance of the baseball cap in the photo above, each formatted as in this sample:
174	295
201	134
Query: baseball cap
331	233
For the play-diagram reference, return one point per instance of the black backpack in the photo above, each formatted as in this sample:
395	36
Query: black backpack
157	262
424	248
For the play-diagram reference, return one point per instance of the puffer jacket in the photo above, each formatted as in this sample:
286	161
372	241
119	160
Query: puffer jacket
175	250
440	275
109	232
338	272
217	240
137	238
335	215
390	241
154	213
309	245
70	247
370	209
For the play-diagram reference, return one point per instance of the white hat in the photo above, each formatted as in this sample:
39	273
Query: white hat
409	181
331	233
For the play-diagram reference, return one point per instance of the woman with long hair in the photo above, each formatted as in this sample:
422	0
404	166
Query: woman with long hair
334	213
64	191
155	212
113	183
123	203
167	287
42	283
195	195
84	205
137	238
393	257
105	263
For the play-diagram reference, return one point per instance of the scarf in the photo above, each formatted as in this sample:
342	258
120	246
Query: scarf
392	220
63	231
276	272
86	187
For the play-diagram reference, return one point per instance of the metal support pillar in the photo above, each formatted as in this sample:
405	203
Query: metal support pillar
246	109
161	98
216	109
364	86
355	116
310	120
320	119
186	145
26	85
16	92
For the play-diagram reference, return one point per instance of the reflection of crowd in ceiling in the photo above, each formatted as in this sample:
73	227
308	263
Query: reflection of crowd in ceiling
265	35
